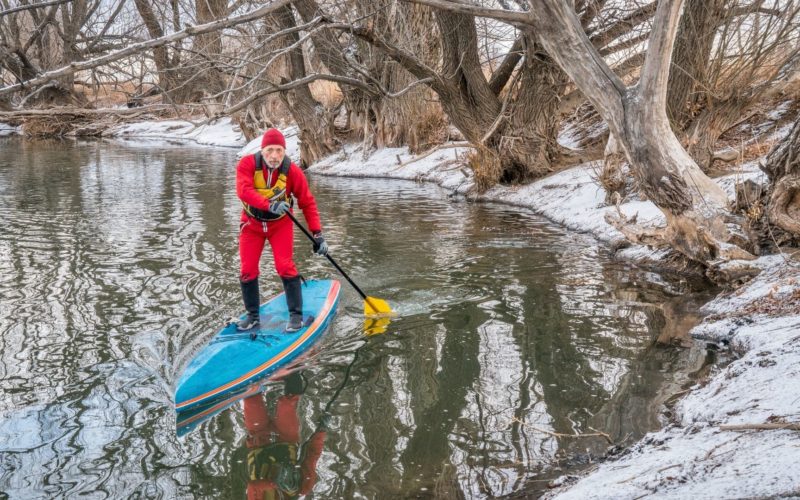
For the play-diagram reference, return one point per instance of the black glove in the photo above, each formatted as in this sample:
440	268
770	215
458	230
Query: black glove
320	245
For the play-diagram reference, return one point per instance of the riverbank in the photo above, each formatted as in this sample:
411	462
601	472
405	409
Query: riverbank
695	454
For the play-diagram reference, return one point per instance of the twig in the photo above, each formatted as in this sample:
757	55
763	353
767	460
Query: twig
32	6
462	144
792	426
558	434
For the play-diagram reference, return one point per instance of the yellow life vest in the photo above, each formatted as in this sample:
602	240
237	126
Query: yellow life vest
276	463
274	193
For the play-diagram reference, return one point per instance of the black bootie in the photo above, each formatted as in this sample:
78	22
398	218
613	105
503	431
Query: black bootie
251	303
294	301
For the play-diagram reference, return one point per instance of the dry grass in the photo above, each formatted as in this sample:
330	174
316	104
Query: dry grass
110	94
52	126
486	166
609	177
772	304
428	131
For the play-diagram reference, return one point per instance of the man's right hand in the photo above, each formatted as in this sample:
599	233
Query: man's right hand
279	207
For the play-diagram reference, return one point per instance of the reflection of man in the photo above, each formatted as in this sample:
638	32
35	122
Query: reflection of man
277	465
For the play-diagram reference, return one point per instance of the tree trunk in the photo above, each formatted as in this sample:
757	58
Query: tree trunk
783	169
359	103
527	144
414	119
520	136
72	17
691	59
160	54
208	47
694	206
314	121
517	146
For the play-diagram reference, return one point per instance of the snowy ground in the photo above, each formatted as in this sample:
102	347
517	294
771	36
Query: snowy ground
695	456
6	129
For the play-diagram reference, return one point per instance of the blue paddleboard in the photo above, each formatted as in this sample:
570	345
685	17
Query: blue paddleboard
232	360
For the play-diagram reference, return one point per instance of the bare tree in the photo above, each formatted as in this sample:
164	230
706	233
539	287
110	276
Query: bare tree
33	40
696	209
729	56
313	119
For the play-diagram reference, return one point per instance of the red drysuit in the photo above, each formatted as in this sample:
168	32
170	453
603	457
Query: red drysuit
271	434
280	234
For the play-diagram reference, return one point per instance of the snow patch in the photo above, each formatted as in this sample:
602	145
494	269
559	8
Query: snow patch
701	458
6	130
220	133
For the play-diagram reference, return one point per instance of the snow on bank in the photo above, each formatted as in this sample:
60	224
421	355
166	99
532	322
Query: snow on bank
571	198
6	130
697	457
221	133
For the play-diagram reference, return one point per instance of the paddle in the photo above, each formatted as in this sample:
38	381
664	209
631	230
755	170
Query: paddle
373	306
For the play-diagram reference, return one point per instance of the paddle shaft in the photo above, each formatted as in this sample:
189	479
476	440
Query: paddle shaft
341	271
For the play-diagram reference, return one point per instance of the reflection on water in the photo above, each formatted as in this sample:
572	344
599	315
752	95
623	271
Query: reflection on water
279	464
117	263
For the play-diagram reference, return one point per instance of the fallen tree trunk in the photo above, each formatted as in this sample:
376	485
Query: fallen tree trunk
73	121
72	111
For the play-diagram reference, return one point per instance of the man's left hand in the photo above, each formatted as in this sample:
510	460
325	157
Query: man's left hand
320	245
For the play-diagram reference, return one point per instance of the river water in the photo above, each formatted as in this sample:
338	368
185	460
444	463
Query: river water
118	261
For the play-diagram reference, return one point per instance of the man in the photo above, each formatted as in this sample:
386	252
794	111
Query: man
278	466
266	183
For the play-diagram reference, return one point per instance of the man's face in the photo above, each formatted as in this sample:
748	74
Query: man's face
273	155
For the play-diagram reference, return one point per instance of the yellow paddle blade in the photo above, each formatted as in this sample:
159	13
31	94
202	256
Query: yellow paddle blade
376	326
374	306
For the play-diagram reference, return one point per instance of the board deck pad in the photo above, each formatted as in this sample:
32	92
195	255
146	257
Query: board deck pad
232	360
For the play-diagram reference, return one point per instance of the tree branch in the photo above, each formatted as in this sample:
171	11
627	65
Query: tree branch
272	88
752	9
136	48
624	26
626	44
508	16
655	72
406	59
32	6
506	68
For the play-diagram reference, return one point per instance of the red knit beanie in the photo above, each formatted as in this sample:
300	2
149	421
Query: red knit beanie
273	137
